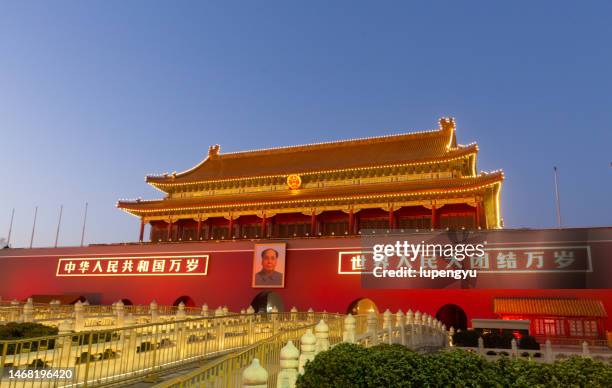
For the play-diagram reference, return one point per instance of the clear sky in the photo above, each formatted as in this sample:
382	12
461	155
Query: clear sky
95	95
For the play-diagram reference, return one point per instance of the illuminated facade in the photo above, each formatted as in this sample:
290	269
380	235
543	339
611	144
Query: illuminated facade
423	180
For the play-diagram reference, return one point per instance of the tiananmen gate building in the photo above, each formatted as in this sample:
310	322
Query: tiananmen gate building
305	211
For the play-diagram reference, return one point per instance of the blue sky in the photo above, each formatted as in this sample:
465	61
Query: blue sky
95	95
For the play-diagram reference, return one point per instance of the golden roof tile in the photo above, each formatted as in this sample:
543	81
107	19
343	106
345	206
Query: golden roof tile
550	307
373	151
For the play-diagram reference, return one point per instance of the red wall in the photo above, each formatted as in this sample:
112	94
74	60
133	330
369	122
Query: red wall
312	278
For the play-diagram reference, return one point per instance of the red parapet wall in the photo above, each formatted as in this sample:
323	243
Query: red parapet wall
312	278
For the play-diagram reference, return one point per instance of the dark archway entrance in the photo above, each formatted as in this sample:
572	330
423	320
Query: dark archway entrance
452	315
264	301
187	301
362	306
126	302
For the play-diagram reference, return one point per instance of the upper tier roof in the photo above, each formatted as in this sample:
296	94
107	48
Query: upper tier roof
393	149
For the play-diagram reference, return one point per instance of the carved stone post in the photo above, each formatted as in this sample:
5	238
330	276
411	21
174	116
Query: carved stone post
28	311
153	309
14	316
255	376
120	311
79	316
289	363
180	313
322	336
373	327
294	314
585	349
349	329
401	326
549	358
307	346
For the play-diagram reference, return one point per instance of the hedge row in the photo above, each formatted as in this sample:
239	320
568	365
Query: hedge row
349	365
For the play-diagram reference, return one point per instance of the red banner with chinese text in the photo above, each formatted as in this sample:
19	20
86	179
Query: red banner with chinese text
134	266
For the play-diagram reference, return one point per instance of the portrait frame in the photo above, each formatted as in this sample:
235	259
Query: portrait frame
257	267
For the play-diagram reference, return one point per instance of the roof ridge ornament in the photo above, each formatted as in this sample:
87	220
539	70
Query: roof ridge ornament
447	123
214	151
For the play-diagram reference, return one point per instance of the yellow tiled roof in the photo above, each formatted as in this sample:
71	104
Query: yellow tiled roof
425	146
550	306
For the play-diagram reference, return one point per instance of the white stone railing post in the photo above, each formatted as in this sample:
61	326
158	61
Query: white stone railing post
225	310
294	314
373	327
400	324
119	309
427	327
481	346
180	312
307	347
417	329
219	312
289	363
585	349
350	324
128	350
65	353
255	376
514	348
28	311
14	316
548	353
251	312
445	341
451	333
410	329
311	315
387	326
322	336
274	316
204	310
154	311
79	316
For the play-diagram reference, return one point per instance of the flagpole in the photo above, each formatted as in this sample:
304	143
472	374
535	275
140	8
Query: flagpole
8	239
33	226
84	222
59	222
557	197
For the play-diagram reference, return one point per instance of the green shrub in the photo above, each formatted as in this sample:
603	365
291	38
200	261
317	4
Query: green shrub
14	331
528	342
19	331
348	365
345	365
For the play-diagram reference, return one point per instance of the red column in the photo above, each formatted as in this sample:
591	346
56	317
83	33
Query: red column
351	225
231	227
391	218
434	217
169	230
478	210
142	226
313	224
199	229
208	229
263	226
